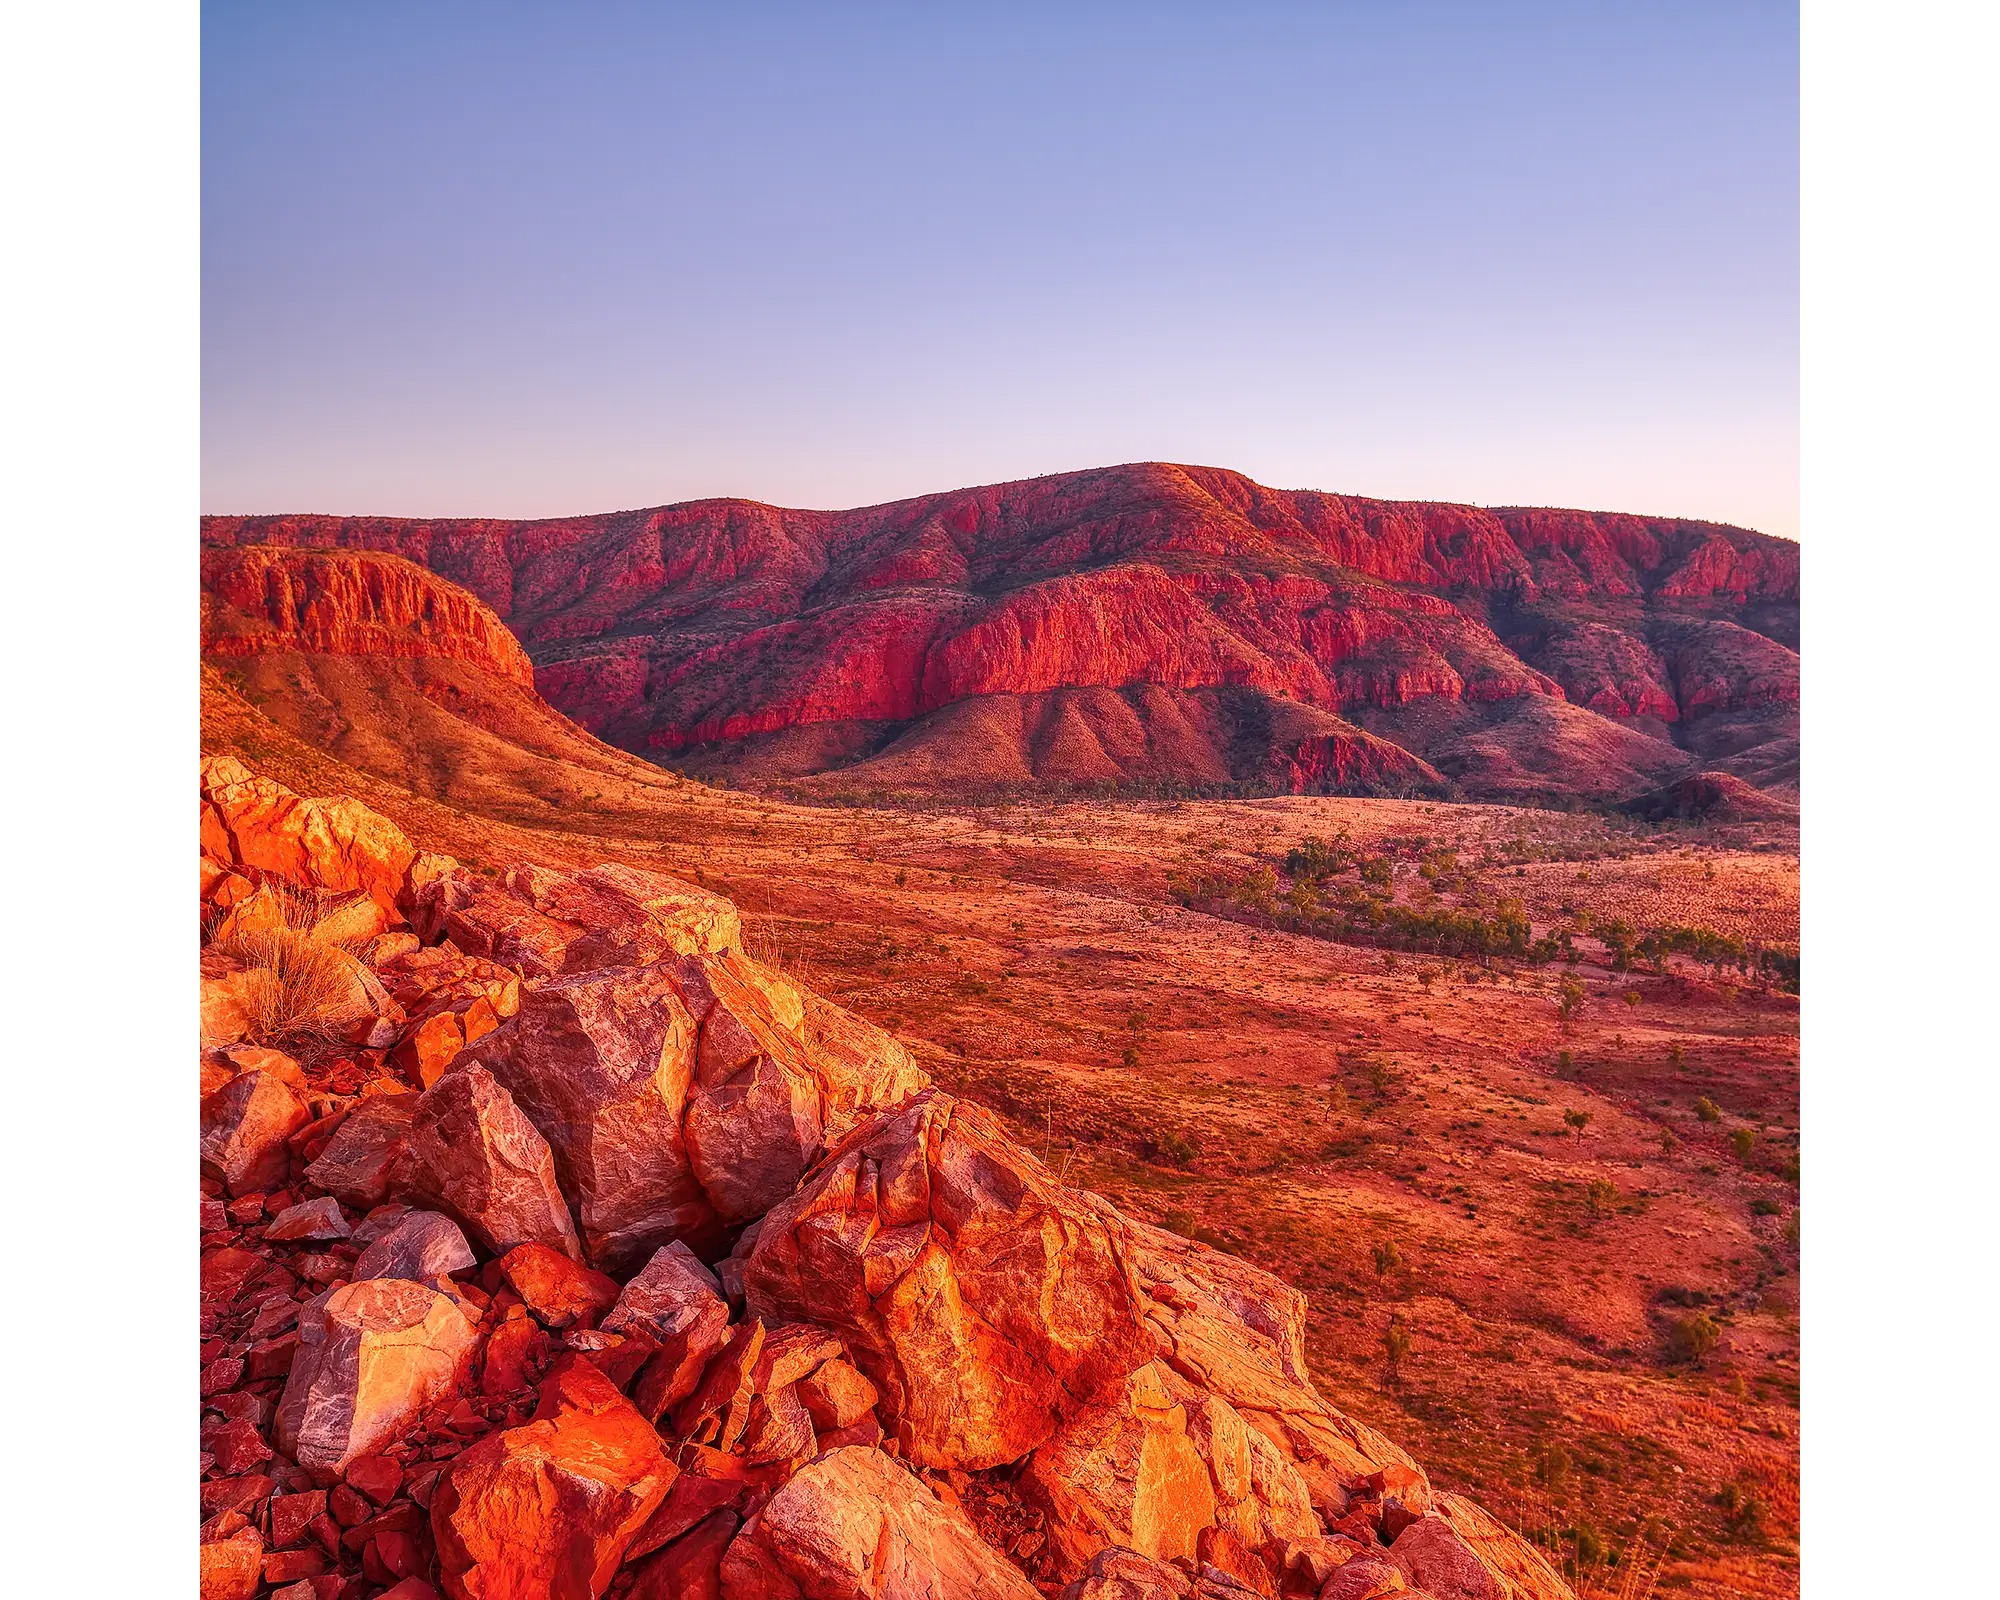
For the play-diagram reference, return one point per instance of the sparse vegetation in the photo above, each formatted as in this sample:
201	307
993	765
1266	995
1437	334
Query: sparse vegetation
1707	1110
302	978
1692	1337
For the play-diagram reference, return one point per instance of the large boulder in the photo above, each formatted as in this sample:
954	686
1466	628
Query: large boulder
987	1302
602	1063
1429	1551
471	1154
1124	1473
685	1096
248	821
856	1526
546	1511
546	922
244	1126
1238	1333
371	1357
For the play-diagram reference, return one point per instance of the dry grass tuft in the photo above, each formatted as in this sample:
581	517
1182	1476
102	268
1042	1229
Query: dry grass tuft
303	978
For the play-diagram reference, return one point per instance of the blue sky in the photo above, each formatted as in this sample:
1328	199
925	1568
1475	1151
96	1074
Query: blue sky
500	260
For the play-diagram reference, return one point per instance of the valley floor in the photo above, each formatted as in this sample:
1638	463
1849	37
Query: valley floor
1396	1134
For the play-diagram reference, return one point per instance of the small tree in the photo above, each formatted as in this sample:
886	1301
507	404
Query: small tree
1743	1141
1569	998
1668	1143
1387	1258
1693	1336
1602	1195
1707	1110
1396	1342
1632	997
1131	1056
1579	1120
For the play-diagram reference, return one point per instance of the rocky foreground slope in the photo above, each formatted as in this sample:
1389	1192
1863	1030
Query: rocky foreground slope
1140	624
552	1246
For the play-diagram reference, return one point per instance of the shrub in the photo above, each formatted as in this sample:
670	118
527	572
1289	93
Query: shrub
1377	870
1668	1143
1396	1341
1693	1336
1602	1195
1742	1512
1765	1208
1578	1120
1676	1054
304	979
1569	998
1387	1258
1632	997
1707	1110
1743	1141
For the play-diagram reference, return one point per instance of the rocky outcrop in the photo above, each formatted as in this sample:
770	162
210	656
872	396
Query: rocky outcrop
883	1343
1100	614
986	1302
347	602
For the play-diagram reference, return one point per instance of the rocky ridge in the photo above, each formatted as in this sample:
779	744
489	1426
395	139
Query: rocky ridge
564	1249
1142	623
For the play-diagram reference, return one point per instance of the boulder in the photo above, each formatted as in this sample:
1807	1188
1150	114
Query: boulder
320	844
311	1220
1524	1571
1123	1473
547	922
472	1154
1364	1578
854	1525
1236	1332
355	1165
836	1395
420	1245
861	1069
1118	1574
556	1289
674	1303
601	1063
232	1566
546	1511
370	1358
986	1302
691	1567
244	1126
229	999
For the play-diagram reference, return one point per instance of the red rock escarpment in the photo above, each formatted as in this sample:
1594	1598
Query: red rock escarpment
700	629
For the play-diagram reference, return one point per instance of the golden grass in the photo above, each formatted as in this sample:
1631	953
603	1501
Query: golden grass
303	979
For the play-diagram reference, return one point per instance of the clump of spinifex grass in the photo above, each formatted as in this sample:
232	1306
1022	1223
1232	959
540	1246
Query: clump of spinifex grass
303	976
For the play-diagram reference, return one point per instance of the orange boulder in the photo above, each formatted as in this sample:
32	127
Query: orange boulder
856	1526
375	1355
546	1511
244	1126
984	1300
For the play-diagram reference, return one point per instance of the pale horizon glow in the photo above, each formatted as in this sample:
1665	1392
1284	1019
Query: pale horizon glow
492	261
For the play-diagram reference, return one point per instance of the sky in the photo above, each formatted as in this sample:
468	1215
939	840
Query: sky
525	261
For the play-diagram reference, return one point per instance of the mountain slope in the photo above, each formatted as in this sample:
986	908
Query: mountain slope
1226	632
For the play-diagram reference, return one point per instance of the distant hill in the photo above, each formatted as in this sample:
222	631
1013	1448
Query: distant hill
1136	625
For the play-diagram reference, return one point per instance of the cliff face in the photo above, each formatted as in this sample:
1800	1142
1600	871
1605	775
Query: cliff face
699	632
259	600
